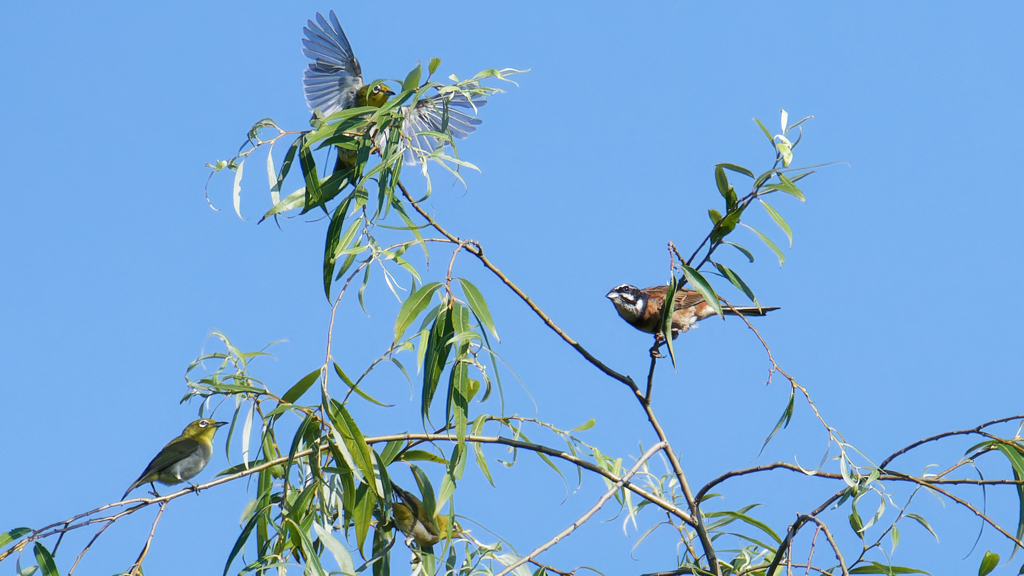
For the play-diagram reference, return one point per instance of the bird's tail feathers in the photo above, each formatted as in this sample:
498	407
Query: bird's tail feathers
749	310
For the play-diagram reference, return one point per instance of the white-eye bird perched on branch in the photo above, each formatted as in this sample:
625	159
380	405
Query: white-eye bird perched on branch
411	518
182	458
333	81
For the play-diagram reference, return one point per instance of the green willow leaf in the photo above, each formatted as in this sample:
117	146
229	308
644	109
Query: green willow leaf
786	185
879	568
45	560
286	167
300	387
768	242
741	249
355	388
354	440
721	181
725	226
753	522
988	563
337	549
12	535
737	282
337	241
437	352
701	285
308	551
766	133
479	306
667	310
783	422
715	216
778	220
422	456
413	306
314	196
585	426
481	460
362	514
426	491
412	79
735	168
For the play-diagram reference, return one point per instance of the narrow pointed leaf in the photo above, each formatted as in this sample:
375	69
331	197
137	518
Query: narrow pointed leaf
768	242
779	220
353	438
313	193
45	560
413	306
735	168
337	549
479	306
300	387
783	422
12	535
701	285
667	310
737	282
988	563
741	249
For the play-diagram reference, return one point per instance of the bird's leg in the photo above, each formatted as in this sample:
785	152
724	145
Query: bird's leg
153	491
194	488
655	350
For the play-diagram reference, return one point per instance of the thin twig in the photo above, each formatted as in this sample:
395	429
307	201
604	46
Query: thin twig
586	516
145	549
88	546
835	547
975	430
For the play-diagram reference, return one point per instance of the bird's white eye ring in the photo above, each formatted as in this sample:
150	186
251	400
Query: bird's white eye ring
203	423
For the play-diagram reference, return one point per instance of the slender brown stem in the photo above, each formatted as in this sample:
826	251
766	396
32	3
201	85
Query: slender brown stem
589	513
88	546
975	430
137	566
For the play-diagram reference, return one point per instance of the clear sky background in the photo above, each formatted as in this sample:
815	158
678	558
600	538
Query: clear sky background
900	304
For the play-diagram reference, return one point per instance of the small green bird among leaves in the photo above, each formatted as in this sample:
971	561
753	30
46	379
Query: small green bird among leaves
182	458
412	519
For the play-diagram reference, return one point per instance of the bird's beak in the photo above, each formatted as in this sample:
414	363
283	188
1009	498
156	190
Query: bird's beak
610	295
218	424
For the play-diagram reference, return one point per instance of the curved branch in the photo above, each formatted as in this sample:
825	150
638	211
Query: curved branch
975	430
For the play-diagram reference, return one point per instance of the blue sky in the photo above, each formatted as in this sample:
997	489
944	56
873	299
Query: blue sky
900	308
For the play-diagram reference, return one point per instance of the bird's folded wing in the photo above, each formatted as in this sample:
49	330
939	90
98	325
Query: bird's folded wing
175	452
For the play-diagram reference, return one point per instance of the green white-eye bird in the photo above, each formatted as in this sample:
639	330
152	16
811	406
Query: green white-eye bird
333	81
411	518
183	457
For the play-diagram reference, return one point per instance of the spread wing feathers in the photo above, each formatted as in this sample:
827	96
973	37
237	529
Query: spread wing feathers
429	114
333	77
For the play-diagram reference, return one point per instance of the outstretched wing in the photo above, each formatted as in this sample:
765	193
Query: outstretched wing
333	77
453	114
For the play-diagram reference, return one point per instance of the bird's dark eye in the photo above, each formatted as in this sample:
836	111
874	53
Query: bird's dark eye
203	423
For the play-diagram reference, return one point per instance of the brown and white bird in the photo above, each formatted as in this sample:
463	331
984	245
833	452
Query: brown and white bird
642	308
